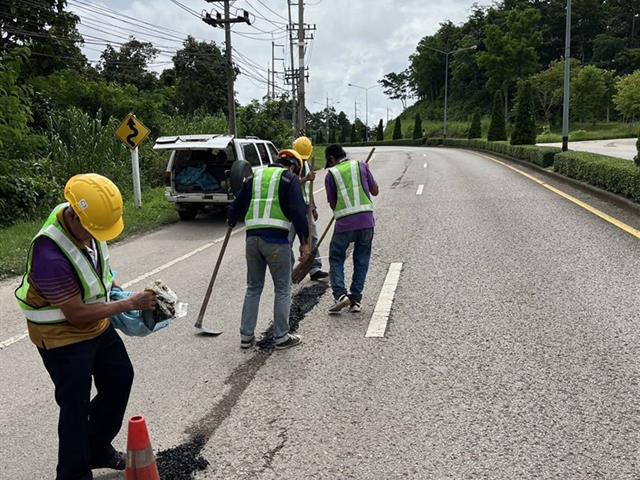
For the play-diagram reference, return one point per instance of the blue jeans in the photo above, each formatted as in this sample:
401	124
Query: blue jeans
277	256
87	427
340	242
317	262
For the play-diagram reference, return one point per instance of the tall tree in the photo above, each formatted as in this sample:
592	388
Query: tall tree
380	131
524	130
498	127
47	29
417	127
627	97
354	134
548	88
589	93
511	50
397	86
475	130
201	81
397	129
130	64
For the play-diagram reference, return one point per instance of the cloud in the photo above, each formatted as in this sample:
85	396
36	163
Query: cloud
356	41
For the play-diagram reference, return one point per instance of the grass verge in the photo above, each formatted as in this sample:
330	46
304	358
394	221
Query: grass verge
15	240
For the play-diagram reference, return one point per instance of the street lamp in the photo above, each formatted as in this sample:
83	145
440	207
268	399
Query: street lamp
446	80
567	77
366	96
633	28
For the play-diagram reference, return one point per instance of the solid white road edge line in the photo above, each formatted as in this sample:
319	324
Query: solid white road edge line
420	189
17	338
380	317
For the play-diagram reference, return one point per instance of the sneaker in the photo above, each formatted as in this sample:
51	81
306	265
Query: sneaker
341	303
319	275
292	341
247	343
355	307
115	461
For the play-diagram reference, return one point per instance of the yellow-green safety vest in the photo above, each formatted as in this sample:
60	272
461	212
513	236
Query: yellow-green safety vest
264	209
95	288
352	197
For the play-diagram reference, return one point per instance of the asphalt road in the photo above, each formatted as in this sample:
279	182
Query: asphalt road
512	349
622	148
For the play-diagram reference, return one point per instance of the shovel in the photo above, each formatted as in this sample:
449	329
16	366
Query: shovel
207	295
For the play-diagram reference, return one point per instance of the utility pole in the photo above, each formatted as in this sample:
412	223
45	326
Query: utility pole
294	98
272	72
567	78
387	115
301	104
225	22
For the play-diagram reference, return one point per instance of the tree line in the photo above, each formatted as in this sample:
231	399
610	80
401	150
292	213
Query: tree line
501	45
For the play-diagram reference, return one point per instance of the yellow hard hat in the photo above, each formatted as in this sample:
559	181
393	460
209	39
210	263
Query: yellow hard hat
98	203
292	155
304	147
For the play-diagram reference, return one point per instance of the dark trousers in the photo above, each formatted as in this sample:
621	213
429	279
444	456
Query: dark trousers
362	240
87	428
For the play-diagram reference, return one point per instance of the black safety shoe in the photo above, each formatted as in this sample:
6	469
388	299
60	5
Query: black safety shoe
247	343
292	341
319	275
115	461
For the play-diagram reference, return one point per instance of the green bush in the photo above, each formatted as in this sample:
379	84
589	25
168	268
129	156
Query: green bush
498	127
542	156
475	130
525	130
417	127
397	129
24	197
612	174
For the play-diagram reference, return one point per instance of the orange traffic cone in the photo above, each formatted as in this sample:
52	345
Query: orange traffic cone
141	464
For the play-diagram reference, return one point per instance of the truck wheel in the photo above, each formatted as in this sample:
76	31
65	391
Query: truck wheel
188	214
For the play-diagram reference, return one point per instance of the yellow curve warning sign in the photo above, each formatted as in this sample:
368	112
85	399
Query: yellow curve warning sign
131	131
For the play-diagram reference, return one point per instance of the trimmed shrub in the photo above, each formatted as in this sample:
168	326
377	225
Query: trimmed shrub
417	127
542	156
637	157
609	173
354	133
405	142
498	127
475	130
397	129
524	131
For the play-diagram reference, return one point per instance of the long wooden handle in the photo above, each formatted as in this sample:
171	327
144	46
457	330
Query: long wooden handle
333	219
207	295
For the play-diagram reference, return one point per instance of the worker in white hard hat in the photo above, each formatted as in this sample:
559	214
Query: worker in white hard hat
304	147
65	297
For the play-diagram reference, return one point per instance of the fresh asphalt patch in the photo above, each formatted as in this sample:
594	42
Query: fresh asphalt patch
182	461
302	303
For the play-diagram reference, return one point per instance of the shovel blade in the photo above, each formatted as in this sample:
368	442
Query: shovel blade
208	332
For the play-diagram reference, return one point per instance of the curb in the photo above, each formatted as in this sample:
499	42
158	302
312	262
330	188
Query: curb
595	191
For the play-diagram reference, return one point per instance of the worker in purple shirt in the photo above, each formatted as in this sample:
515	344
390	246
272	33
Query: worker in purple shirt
349	185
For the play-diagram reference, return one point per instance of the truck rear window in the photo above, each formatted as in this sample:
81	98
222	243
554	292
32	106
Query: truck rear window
200	171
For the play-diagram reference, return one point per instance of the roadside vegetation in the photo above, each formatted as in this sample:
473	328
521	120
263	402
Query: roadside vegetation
16	239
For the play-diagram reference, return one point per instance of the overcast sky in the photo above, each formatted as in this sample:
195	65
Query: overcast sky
356	41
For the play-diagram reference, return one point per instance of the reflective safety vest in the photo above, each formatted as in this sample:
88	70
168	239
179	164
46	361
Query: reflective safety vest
352	197
264	209
306	188
95	288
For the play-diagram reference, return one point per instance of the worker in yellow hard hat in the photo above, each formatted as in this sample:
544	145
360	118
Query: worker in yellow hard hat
65	297
304	147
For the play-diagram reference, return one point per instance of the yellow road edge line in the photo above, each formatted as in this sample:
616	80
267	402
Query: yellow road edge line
598	213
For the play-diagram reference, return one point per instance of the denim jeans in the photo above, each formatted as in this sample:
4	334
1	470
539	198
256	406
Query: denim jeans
317	262
87	428
277	256
340	242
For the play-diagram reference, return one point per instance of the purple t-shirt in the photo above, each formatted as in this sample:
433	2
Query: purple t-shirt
51	273
358	221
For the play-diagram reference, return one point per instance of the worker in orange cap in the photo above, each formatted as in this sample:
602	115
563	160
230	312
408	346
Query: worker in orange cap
65	297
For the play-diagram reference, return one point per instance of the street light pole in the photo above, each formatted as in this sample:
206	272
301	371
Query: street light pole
633	29
446	82
567	78
366	99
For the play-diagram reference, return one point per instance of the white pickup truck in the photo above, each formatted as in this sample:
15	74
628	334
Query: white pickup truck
207	171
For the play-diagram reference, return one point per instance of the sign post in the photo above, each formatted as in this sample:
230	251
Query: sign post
131	132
